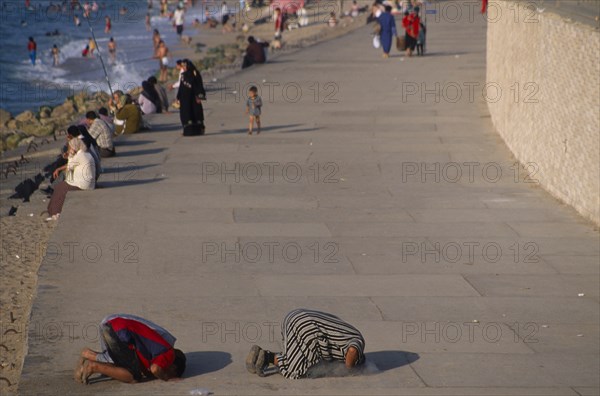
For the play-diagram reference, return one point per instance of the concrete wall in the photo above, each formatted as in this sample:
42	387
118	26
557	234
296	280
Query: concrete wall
549	113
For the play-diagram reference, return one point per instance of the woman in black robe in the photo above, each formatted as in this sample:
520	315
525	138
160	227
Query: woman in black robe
191	93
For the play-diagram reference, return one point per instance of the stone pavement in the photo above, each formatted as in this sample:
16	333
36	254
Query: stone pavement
404	215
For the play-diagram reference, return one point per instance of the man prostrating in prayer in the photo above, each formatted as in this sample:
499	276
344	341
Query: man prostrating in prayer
309	337
132	348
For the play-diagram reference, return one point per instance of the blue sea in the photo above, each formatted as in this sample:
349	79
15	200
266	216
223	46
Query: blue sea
24	86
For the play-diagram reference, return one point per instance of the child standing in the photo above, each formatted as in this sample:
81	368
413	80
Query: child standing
421	40
253	106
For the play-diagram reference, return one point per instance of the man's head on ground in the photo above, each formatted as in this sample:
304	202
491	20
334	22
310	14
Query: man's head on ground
251	39
175	370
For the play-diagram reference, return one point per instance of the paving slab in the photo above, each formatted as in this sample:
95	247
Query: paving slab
172	238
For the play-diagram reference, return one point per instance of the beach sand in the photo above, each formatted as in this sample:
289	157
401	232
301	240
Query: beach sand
24	240
24	236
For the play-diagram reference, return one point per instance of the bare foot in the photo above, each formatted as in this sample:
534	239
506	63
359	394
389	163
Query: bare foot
86	371
351	357
78	370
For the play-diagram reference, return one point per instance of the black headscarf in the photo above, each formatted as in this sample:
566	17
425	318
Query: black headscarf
150	93
192	72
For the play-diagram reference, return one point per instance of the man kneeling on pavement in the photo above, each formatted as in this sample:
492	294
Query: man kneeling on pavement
132	349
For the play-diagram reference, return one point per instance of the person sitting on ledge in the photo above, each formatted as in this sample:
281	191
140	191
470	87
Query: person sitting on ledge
148	100
103	114
132	349
308	338
80	175
162	93
128	118
255	52
101	133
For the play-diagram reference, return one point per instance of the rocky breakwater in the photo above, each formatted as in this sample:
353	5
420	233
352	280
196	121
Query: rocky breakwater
26	126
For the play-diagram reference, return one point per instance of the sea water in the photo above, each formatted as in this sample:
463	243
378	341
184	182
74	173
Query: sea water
24	86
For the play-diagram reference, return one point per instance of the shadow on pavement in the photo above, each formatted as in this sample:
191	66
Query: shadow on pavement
375	363
205	362
263	129
130	167
125	183
301	130
118	143
141	152
442	53
388	360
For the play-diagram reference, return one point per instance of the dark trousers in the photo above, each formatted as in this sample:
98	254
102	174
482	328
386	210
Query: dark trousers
248	61
106	153
120	353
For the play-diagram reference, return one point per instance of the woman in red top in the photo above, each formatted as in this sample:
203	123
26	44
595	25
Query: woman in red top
411	23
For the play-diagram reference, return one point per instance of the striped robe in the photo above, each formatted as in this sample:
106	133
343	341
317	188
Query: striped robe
312	336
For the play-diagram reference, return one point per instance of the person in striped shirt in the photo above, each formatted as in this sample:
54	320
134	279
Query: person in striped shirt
132	348
308	338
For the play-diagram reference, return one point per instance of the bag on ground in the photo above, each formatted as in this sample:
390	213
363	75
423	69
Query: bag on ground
401	43
376	42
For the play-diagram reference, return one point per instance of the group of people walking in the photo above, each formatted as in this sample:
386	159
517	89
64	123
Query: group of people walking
133	348
414	30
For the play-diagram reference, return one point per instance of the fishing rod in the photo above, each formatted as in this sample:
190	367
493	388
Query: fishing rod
86	14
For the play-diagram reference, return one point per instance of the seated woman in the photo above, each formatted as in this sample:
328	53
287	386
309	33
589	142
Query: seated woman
149	100
80	175
128	117
308	338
